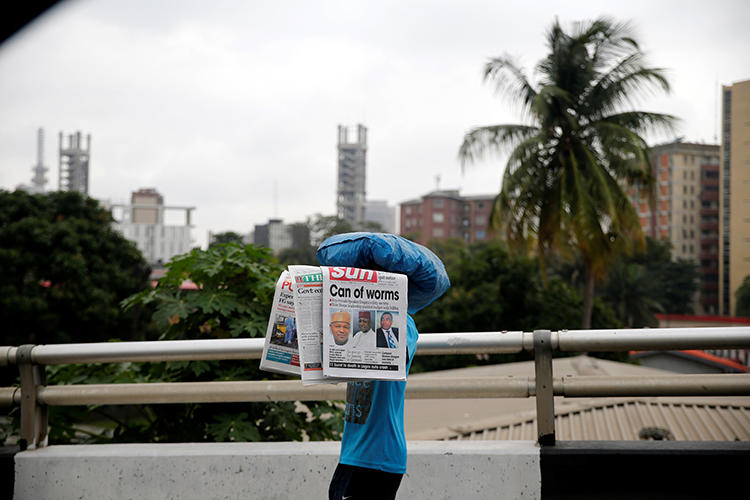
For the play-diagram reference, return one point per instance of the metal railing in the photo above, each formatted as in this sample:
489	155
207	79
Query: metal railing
35	396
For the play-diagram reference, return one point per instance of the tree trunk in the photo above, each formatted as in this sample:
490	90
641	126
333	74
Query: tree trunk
588	300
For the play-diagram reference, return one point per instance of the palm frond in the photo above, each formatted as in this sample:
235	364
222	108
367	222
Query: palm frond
497	138
510	79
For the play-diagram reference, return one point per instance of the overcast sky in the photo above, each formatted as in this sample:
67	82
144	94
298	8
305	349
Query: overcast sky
232	106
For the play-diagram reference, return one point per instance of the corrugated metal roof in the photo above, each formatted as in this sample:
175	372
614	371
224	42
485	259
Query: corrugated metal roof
625	420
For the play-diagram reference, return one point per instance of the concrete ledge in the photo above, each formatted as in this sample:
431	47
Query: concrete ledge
437	470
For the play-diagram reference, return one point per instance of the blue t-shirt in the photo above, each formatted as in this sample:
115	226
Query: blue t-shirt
374	419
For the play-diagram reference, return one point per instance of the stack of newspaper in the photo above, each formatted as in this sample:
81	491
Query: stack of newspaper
336	324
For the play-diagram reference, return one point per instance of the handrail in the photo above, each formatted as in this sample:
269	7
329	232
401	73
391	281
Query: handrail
34	395
428	344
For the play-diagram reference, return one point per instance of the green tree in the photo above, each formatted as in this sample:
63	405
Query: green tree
493	290
325	226
674	281
562	187
64	271
227	237
632	294
742	306
235	288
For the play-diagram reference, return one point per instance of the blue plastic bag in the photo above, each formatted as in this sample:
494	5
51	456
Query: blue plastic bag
426	272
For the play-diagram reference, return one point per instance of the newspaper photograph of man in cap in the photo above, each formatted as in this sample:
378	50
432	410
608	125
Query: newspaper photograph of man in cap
364	338
341	322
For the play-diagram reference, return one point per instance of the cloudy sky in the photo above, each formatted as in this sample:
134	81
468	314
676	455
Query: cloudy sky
232	106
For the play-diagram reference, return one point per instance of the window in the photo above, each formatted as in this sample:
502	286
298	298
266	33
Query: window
437	203
684	189
480	220
408	210
480	235
438	232
438	217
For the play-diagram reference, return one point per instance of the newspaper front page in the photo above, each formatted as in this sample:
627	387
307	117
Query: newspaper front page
364	312
307	283
280	351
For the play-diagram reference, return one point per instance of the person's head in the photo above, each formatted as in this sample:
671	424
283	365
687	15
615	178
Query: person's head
340	323
386	320
364	321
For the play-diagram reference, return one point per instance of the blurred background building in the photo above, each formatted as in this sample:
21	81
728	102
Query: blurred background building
73	172
143	222
441	215
685	209
350	200
734	204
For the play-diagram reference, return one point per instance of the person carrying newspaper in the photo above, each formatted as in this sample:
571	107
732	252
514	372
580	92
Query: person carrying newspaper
373	448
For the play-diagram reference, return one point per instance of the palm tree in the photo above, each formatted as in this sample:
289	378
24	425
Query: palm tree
563	184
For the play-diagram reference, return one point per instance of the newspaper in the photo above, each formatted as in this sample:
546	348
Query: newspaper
365	331
280	351
307	283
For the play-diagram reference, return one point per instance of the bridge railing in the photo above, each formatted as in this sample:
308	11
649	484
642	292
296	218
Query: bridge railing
35	396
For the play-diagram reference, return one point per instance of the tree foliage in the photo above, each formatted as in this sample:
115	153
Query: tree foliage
235	286
494	290
561	190
227	237
742	306
64	271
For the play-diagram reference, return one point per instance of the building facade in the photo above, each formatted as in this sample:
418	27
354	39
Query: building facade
734	203
279	236
352	167
442	215
383	214
685	209
142	222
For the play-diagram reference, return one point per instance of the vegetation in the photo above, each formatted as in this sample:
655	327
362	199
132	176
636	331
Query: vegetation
562	191
227	237
64	271
233	299
742	307
493	290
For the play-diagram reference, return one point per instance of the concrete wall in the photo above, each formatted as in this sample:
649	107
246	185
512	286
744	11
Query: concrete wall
437	470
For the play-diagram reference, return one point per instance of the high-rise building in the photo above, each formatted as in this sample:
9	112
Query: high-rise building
383	214
734	203
279	236
73	169
142	222
441	215
685	209
350	201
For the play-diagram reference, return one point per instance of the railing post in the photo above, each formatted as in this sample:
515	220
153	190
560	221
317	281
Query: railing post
545	402
33	415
